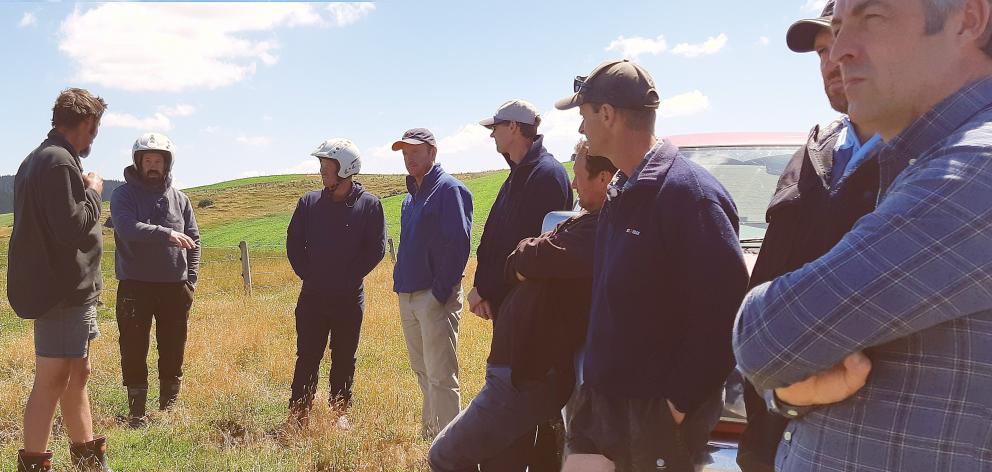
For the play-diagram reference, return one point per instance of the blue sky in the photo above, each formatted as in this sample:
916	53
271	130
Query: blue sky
252	89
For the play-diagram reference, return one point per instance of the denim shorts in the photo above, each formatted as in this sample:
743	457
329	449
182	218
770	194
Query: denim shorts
65	332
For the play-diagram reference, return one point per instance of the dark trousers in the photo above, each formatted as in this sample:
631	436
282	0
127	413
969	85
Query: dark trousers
323	318
138	303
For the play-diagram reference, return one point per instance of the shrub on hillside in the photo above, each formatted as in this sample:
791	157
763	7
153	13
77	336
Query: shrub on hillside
205	203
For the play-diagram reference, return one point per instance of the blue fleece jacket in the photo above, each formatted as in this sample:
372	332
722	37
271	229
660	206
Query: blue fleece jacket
332	245
436	224
144	218
668	278
536	186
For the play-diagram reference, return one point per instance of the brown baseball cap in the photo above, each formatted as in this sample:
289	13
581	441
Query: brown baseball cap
620	83
802	34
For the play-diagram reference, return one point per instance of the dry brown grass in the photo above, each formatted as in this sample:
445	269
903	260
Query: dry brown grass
239	364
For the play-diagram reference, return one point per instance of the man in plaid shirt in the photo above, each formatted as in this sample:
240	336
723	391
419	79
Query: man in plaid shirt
881	350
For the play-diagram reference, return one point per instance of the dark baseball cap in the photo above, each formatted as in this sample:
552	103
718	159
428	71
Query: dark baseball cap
802	34
415	136
620	83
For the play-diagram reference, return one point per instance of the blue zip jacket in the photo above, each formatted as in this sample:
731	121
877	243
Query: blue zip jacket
144	218
332	245
536	186
435	237
668	278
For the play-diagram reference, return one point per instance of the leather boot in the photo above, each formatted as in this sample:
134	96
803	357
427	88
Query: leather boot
34	461
90	456
167	396
136	399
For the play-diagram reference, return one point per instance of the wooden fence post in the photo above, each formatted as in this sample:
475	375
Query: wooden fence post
245	267
392	251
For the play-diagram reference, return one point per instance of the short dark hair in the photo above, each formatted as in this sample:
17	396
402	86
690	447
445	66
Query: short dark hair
937	12
74	106
636	119
529	131
594	164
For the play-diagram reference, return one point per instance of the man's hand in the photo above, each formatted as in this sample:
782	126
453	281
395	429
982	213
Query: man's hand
830	386
677	415
178	239
94	181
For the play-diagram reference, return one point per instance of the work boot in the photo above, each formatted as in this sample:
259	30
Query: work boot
299	416
34	461
90	456
167	396
136	399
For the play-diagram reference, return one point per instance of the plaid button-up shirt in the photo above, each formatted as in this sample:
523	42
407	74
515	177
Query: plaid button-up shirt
911	286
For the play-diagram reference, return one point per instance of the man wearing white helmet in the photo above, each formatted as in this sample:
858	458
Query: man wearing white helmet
157	262
336	237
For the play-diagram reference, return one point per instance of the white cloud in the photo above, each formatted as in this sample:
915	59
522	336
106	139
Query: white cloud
684	104
345	14
814	5
712	45
253	141
309	166
176	46
178	110
764	41
211	129
631	48
156	122
29	19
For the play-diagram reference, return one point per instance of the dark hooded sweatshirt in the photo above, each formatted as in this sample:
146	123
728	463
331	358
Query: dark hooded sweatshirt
56	244
332	245
144	218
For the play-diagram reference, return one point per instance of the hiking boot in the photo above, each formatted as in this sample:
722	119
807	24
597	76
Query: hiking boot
34	461
167	396
136	399
299	417
90	456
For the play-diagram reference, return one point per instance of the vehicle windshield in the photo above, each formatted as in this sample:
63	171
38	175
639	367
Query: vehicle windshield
749	173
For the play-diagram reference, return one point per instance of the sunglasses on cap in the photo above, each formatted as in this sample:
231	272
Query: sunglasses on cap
580	85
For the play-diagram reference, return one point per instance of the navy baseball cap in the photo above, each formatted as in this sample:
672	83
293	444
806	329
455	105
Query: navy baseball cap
415	136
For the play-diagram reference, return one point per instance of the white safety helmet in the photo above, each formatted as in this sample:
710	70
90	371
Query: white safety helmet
345	152
157	142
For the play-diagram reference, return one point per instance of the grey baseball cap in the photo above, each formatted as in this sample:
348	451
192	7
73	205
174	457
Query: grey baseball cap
802	34
415	136
620	83
520	111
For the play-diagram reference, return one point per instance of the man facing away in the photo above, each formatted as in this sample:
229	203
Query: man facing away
53	277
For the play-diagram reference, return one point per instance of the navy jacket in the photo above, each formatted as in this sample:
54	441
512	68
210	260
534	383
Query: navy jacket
435	238
668	279
332	245
537	185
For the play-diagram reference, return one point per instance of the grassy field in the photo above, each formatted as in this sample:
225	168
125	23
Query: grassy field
239	364
241	350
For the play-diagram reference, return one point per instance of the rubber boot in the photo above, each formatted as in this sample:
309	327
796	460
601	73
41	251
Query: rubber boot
167	396
34	462
90	456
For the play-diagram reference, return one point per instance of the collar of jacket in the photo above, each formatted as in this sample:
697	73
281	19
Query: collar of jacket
356	192
658	160
795	180
430	180
133	177
59	140
533	155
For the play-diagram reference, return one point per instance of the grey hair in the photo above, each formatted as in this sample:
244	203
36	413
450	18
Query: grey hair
937	12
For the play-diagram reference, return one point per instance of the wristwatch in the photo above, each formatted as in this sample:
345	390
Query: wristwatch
779	407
